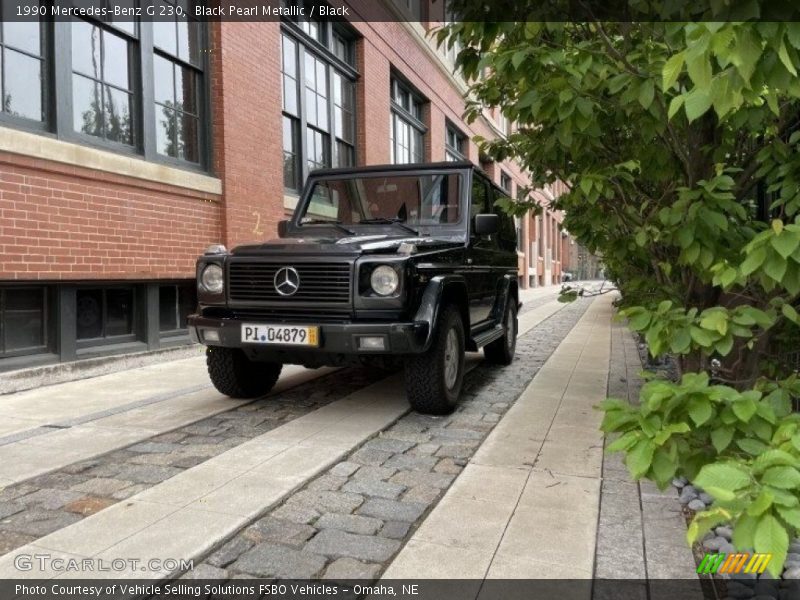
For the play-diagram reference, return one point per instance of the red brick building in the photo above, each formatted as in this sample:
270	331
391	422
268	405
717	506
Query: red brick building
124	157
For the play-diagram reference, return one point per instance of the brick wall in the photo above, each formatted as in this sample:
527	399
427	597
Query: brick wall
59	222
248	123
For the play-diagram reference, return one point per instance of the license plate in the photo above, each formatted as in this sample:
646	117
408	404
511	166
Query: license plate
285	335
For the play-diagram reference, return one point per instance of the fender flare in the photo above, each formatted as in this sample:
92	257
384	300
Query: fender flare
427	314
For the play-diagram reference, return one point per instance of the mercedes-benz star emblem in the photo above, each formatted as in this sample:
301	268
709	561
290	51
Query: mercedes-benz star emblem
287	281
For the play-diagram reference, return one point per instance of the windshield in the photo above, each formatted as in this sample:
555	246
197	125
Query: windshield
412	200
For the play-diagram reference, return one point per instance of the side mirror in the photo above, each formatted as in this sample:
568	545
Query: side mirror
485	224
283	228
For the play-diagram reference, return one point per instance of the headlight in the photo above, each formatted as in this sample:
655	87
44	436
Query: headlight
212	279
384	280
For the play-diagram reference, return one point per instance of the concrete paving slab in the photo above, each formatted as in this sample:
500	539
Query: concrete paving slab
28	458
426	560
120	521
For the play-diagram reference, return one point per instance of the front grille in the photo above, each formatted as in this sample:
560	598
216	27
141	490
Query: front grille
308	316
319	282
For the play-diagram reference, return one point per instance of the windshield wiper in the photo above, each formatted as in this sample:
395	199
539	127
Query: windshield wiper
392	222
337	224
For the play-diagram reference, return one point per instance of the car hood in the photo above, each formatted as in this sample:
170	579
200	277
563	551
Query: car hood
351	245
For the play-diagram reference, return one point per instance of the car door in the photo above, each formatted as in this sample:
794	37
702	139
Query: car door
479	257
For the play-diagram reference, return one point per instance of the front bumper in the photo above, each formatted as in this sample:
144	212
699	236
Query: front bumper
335	338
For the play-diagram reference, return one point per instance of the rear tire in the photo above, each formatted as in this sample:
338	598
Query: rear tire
434	378
501	351
235	375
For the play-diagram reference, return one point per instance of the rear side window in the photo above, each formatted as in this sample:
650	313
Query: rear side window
480	196
506	238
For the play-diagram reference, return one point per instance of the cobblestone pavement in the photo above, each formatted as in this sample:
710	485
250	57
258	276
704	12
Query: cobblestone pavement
46	503
350	521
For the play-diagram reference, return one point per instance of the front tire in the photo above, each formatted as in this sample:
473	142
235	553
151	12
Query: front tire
434	378
235	375
501	351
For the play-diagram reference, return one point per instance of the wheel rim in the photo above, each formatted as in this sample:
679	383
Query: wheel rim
451	359
511	333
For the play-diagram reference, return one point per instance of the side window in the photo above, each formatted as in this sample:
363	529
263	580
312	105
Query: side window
479	196
506	238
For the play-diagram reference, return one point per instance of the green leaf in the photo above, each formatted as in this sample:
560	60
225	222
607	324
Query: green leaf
672	70
721	437
787	62
727	476
696	104
681	341
700	410
663	466
753	261
640	458
785	478
646	93
751	446
761	504
623	443
790	313
639	321
744	409
701	336
785	243
675	105
790	515
744	531
699	69
771	537
775	267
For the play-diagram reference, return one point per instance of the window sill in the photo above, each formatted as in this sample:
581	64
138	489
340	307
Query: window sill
46	148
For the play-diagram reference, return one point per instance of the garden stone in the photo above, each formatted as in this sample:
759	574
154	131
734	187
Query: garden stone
706	498
724	531
713	544
727	548
795	547
688	493
792	573
679	482
739	591
696	505
344	469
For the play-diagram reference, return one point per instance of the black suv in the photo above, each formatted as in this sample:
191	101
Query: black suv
383	265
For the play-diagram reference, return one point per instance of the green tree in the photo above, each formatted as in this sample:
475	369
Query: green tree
679	143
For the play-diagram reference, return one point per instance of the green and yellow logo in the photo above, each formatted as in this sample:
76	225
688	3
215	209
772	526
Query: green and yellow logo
742	562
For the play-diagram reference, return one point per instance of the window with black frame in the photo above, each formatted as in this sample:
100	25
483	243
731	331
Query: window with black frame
23	321
407	131
175	303
506	182
134	85
177	77
105	314
455	144
23	70
102	81
318	72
